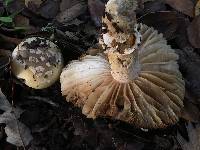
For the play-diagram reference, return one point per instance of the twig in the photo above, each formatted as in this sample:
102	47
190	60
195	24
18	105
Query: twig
43	99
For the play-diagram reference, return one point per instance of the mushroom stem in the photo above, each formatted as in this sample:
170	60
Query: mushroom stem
124	67
122	13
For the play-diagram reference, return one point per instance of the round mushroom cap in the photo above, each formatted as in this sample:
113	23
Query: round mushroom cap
37	61
153	99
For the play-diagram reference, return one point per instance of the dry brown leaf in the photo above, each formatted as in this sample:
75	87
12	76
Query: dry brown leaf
197	8
193	32
164	21
70	13
194	138
184	6
96	8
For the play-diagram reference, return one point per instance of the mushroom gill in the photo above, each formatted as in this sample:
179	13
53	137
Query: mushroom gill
136	79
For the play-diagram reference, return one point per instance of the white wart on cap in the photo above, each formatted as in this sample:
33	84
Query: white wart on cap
37	61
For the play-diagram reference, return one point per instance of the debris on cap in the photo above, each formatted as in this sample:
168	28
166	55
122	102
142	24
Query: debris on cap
37	61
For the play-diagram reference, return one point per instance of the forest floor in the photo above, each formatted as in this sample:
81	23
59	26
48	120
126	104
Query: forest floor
48	122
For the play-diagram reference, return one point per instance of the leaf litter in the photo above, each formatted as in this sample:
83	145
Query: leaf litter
194	138
75	28
17	133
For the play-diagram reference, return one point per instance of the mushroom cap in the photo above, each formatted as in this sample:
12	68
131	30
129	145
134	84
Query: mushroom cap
153	99
37	61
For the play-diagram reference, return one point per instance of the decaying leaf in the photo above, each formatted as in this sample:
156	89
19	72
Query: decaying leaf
21	21
184	6
190	111
49	9
164	21
151	7
193	32
66	4
33	3
194	138
197	8
189	63
141	2
4	104
69	13
4	61
17	133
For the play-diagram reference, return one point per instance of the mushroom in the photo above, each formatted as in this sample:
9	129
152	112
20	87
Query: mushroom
37	61
136	79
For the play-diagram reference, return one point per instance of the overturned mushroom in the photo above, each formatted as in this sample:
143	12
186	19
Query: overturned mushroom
136	79
37	61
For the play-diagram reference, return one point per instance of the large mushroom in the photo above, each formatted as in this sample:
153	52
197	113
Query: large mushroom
37	61
136	79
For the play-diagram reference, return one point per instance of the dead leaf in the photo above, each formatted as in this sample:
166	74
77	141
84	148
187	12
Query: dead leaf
96	8
75	22
66	4
151	7
5	58
141	2
72	12
193	32
33	4
194	138
190	111
17	133
189	63
4	104
164	21
49	9
184	6
21	21
144	1
197	8
71	35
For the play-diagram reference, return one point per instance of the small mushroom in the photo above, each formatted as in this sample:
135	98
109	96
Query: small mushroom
37	61
136	79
